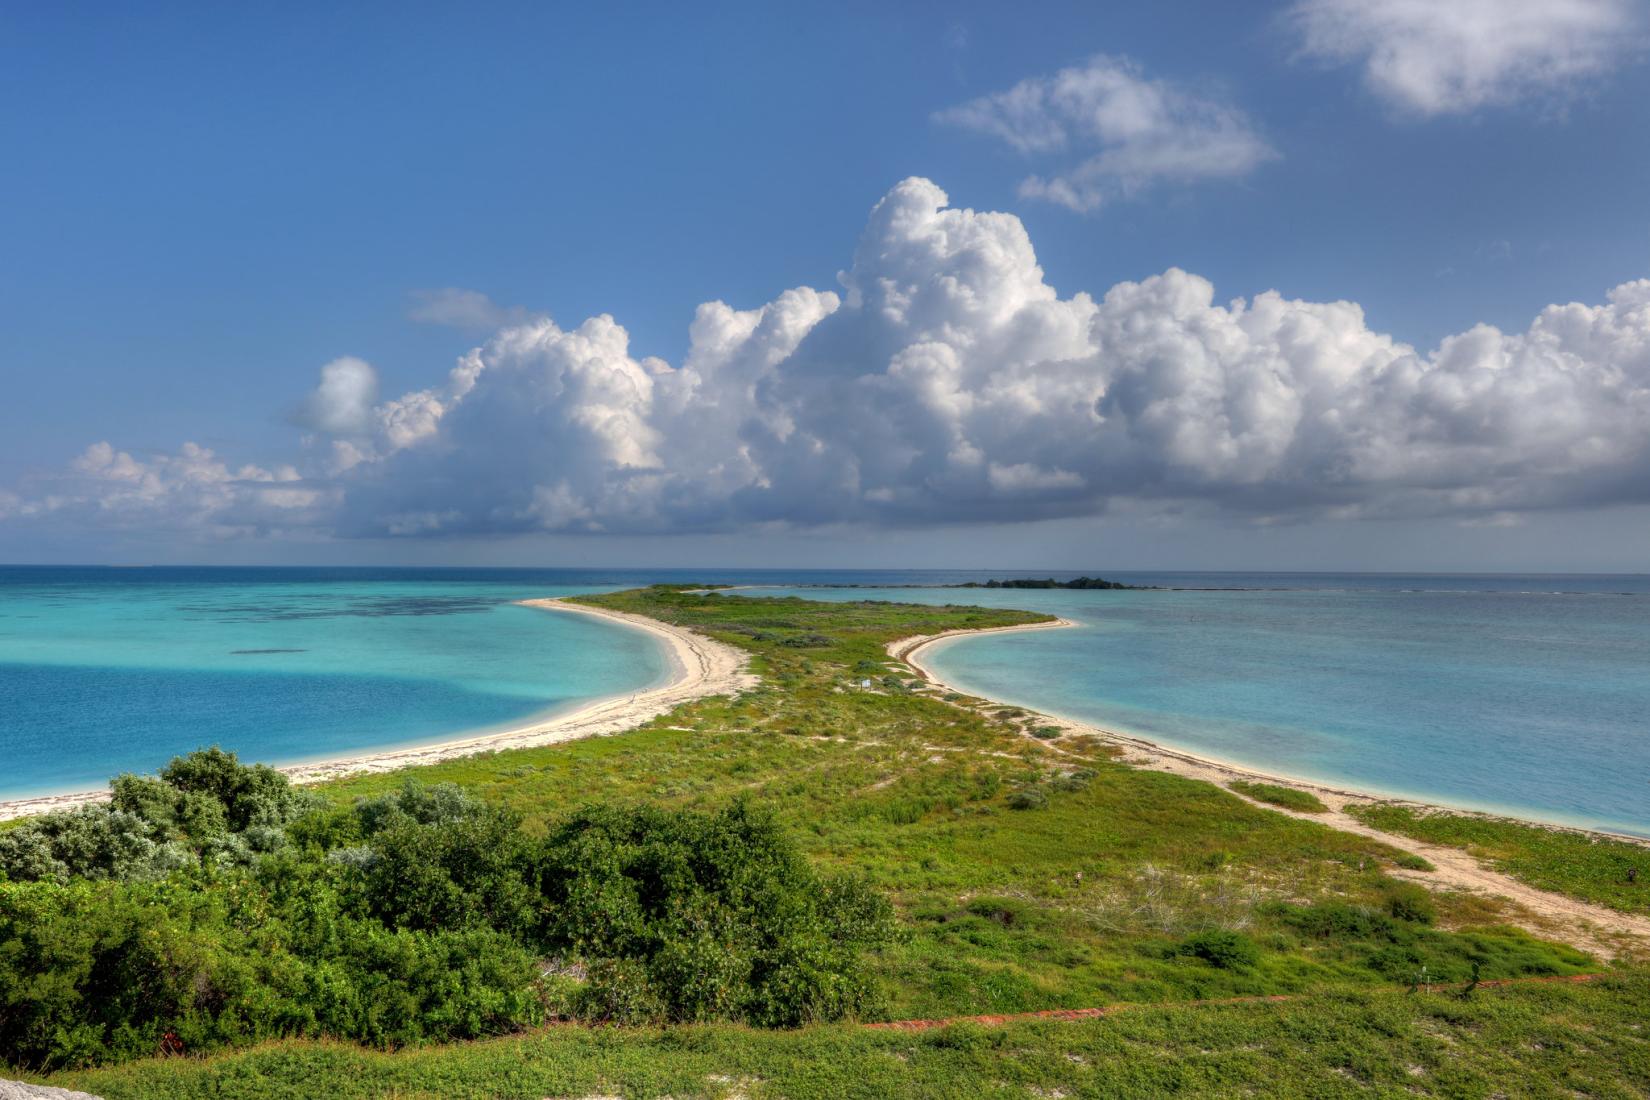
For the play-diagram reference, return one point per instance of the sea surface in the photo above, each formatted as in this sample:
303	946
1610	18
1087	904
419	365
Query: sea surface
104	671
1527	695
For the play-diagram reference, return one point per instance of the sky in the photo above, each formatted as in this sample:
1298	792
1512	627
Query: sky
1333	284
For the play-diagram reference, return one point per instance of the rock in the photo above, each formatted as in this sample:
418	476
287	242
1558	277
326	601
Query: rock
17	1090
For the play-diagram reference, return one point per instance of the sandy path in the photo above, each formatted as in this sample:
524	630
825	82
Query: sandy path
700	667
1593	928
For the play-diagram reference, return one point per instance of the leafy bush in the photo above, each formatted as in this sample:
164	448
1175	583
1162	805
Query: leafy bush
418	915
1333	920
204	807
1408	902
720	911
1221	948
99	971
1074	781
1028	798
1290	798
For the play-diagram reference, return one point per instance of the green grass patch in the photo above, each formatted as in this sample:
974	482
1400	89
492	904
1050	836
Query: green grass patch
1288	797
1544	1040
1614	873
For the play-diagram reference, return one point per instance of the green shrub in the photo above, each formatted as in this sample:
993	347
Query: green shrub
416	916
1411	862
619	991
1221	948
1028	798
1407	901
721	911
204	807
1333	920
1074	781
468	873
966	1035
1290	798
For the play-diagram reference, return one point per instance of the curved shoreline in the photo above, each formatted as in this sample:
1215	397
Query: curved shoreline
700	666
906	649
1593	927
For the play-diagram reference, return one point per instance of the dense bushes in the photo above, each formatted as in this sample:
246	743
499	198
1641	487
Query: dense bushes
217	906
205	807
718	916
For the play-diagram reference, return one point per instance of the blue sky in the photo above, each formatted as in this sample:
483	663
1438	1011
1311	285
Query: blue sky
203	206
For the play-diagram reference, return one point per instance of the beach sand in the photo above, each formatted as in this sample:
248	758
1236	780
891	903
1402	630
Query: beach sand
1594	928
700	667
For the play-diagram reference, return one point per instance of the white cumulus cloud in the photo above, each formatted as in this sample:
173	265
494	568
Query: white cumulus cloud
1110	130
948	382
1436	57
343	403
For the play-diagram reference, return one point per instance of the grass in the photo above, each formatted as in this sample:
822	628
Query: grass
1587	867
1288	797
1028	874
1546	1040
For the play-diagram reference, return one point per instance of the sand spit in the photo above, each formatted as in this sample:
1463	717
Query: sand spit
1594	928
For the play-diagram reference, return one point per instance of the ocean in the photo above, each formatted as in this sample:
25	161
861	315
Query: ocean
1527	695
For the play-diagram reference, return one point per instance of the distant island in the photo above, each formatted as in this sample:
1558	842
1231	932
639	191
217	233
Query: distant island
1050	582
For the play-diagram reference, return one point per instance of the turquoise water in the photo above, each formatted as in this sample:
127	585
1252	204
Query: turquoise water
105	671
1528	695
1524	695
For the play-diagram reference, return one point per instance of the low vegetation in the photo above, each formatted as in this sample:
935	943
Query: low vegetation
417	915
1531	1040
1608	872
911	858
1290	798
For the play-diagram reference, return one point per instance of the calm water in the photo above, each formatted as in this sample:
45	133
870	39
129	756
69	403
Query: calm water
1526	694
111	670
1523	694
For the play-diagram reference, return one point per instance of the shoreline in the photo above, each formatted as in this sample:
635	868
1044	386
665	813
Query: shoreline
699	667
1212	768
1594	928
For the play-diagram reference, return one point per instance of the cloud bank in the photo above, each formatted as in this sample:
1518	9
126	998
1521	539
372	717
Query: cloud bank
947	382
1429	58
1113	131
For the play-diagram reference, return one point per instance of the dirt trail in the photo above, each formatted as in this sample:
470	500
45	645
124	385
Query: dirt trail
1595	929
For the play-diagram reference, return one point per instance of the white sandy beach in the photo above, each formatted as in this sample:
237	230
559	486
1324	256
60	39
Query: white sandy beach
700	667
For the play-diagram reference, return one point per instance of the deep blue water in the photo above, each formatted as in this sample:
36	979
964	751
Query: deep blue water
1521	693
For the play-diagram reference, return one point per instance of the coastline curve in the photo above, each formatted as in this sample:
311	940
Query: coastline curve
1594	927
700	667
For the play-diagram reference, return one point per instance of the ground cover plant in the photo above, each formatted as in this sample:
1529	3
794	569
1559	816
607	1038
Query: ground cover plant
1023	874
1523	1041
1289	798
1608	872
